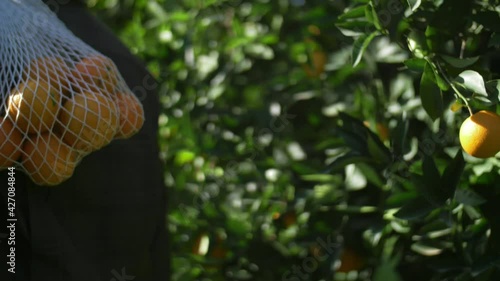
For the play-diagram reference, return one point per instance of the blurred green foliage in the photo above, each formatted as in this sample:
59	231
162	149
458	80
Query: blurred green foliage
314	140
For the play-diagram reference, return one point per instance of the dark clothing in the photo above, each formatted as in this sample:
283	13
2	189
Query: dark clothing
108	221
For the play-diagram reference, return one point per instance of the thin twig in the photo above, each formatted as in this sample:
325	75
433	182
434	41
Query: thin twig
457	92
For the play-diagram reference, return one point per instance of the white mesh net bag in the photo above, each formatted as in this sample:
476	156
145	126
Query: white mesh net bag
60	99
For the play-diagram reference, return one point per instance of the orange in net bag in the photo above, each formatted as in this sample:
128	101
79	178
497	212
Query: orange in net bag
61	99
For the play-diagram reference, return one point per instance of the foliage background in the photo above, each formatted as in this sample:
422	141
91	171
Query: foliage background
318	140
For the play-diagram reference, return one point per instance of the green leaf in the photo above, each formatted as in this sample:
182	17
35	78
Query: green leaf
415	209
432	229
354	28
238	225
460	63
386	271
372	16
416	44
472	81
442	84
371	174
378	150
426	249
157	11
467	196
356	209
416	64
355	13
452	174
392	15
360	46
430	94
431	173
476	230
355	126
489	19
184	156
481	102
397	200
414	4
434	39
400	137
178	16
493	89
446	22
354	140
429	188
350	158
319	178
432	185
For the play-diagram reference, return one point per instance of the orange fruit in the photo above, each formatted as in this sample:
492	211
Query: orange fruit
131	115
350	261
96	73
89	121
317	64
480	134
47	159
289	219
10	143
34	106
49	70
314	29
218	252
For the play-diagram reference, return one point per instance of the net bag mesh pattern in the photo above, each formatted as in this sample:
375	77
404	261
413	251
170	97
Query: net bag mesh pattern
60	98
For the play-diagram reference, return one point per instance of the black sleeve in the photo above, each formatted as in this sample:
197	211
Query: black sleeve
108	220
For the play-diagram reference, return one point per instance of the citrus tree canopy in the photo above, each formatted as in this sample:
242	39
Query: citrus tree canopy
320	140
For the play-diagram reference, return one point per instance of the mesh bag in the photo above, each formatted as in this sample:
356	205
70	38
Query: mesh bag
60	99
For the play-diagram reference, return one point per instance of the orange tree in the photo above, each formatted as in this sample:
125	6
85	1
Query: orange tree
319	140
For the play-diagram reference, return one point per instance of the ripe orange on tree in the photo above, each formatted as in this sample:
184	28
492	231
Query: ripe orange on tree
33	106
217	254
350	260
88	121
10	143
480	134
316	58
383	131
316	66
47	159
289	218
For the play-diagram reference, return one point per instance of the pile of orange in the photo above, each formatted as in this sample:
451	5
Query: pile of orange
61	112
